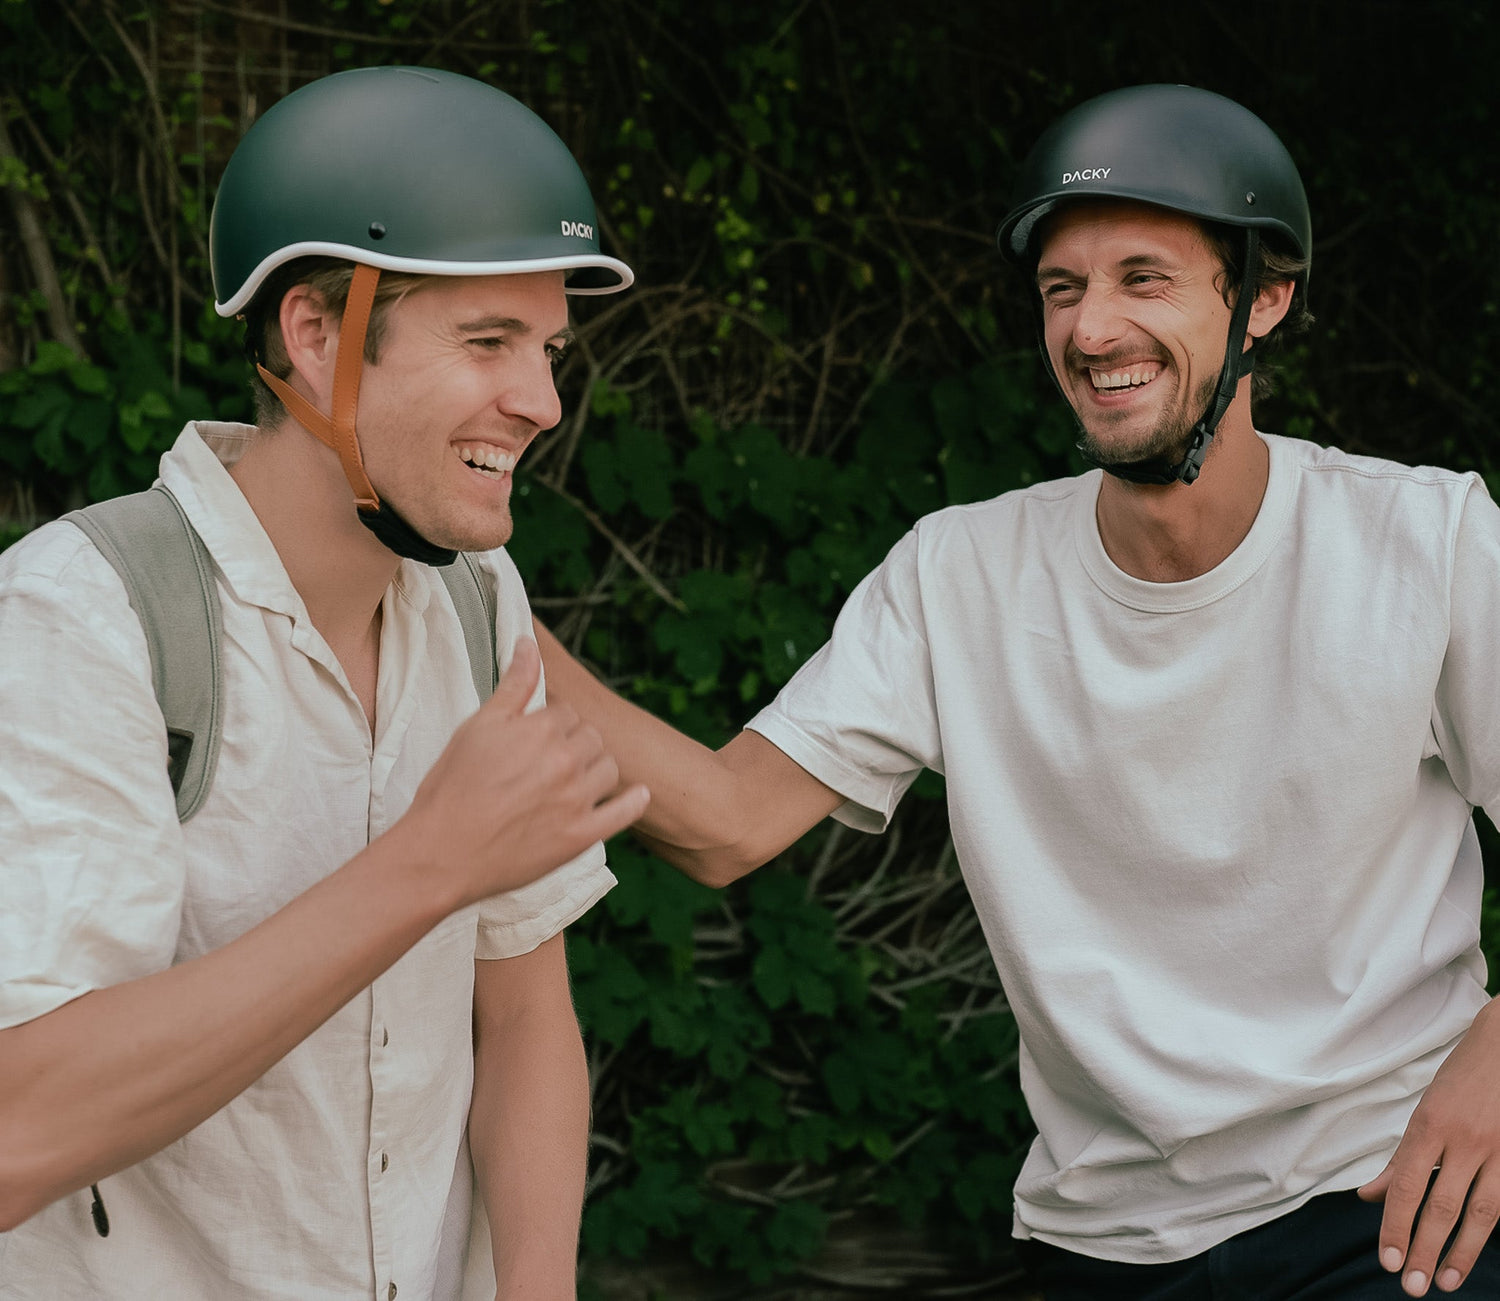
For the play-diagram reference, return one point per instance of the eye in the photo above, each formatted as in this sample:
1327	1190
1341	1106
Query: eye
557	353
1059	293
489	342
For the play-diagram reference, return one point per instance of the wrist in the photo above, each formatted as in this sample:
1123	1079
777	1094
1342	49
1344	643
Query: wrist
402	863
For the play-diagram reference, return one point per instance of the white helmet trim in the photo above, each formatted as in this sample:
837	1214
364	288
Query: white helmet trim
426	266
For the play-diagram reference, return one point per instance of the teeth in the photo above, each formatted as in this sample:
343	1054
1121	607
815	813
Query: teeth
489	458
1134	377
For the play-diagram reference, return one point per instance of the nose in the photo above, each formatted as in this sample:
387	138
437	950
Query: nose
1097	322
532	394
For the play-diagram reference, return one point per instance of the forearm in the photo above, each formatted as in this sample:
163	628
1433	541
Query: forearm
694	797
714	814
121	1072
528	1132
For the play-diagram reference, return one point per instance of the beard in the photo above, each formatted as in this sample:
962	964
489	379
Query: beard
1167	443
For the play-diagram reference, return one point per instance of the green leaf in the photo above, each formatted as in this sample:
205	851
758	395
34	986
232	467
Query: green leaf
692	643
48	441
842	1077
699	175
52	357
644	461
772	974
90	379
90	422
749	187
814	992
41	405
797	1229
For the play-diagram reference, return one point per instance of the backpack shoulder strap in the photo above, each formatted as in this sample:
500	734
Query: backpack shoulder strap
474	599
168	576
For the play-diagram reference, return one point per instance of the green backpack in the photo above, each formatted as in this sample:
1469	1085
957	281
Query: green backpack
169	578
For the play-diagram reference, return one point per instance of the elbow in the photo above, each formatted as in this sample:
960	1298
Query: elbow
725	869
715	867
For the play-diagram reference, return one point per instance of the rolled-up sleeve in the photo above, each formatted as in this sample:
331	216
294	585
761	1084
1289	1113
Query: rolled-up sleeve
92	868
516	922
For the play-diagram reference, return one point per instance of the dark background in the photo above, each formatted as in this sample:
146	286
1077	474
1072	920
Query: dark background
809	1076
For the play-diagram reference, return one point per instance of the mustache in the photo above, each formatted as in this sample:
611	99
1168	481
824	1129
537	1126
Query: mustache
1076	359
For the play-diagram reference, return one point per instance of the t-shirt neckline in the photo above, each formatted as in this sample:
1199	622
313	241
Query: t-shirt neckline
1193	593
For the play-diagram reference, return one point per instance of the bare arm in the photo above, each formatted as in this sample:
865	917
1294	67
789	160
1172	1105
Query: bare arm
529	1122
119	1073
715	814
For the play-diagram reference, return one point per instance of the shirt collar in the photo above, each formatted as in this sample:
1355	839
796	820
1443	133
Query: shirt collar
196	469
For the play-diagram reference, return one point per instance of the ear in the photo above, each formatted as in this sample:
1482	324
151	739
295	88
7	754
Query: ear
1270	307
310	333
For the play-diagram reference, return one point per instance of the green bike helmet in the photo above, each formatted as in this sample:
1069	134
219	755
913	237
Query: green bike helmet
397	169
405	169
1186	150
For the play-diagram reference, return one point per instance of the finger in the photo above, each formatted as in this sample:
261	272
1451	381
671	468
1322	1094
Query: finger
1480	1215
518	683
1406	1180
603	776
1436	1220
615	813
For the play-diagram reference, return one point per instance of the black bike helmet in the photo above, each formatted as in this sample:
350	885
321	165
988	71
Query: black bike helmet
1187	150
398	169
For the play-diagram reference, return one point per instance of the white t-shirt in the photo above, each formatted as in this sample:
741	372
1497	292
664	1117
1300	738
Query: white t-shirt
345	1168
1217	831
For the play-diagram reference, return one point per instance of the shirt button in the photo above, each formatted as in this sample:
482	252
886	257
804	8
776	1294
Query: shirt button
385	1162
385	1038
391	1292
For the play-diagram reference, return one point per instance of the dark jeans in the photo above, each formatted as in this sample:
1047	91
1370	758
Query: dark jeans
1325	1251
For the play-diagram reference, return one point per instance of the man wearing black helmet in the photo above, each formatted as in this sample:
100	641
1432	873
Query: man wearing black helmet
1213	720
316	1040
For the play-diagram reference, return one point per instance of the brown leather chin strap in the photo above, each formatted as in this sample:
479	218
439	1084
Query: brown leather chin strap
338	432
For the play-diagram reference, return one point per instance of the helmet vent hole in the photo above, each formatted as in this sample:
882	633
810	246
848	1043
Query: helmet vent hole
377	229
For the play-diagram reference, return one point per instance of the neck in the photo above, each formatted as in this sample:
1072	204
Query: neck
297	490
1167	534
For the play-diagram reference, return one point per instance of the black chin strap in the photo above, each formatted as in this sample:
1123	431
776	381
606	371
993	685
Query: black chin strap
400	537
1238	362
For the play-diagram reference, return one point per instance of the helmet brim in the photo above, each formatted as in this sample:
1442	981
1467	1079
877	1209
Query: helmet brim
592	273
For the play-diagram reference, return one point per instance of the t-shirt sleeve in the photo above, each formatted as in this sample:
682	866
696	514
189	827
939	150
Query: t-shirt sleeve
860	715
1466	712
517	921
93	867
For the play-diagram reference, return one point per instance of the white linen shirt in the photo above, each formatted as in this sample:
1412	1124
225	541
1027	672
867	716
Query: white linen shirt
344	1171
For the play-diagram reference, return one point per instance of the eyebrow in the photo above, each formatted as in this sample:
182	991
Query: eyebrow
509	325
1132	263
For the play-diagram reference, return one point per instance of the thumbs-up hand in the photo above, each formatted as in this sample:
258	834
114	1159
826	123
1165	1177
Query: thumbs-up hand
515	795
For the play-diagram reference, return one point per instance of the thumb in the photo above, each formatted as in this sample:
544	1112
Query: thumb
518	683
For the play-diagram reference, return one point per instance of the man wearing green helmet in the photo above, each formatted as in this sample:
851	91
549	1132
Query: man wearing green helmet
316	1039
1213	717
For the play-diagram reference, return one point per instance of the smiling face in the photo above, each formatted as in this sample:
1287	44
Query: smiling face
463	384
1135	324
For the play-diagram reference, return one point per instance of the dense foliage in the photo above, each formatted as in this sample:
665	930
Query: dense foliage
822	346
